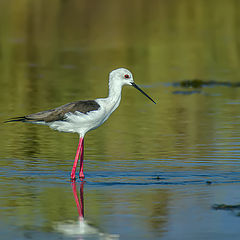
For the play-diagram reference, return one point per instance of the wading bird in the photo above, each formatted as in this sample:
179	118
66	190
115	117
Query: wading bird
85	115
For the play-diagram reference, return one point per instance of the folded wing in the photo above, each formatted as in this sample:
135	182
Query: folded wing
58	114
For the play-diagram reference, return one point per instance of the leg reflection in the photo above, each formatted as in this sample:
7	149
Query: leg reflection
80	204
81	228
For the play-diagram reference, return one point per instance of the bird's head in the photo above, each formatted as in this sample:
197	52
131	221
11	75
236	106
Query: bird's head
123	76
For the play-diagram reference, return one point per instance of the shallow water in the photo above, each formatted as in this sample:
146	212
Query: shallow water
152	171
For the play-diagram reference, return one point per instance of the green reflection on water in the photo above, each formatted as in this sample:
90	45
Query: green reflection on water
60	53
54	52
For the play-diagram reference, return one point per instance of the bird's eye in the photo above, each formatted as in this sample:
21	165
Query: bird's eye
126	76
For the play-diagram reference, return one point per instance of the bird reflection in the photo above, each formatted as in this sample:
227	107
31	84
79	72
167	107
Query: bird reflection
81	228
80	204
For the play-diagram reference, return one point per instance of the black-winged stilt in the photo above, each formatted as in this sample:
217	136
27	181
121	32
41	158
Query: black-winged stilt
83	116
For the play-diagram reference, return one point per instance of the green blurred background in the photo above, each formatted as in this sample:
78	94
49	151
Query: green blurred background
58	51
53	52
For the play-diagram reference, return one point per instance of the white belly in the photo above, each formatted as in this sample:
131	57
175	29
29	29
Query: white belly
82	123
79	122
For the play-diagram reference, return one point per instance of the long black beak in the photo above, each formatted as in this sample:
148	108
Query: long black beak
140	90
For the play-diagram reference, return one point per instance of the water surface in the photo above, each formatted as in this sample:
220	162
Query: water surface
152	171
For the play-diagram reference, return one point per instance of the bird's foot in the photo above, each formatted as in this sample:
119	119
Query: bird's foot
73	178
81	177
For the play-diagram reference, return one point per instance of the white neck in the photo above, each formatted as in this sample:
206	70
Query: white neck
114	95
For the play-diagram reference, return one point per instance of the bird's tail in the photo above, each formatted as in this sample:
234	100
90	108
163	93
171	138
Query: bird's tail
16	119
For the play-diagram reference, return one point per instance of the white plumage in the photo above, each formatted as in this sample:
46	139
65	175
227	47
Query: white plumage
83	116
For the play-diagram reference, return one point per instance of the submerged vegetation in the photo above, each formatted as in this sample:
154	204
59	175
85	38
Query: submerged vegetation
197	83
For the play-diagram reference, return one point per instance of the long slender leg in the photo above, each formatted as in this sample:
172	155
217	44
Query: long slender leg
76	159
81	175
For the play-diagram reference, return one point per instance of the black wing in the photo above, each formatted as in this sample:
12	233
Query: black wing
57	114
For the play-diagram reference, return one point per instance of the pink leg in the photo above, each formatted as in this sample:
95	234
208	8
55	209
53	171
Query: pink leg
81	175
76	159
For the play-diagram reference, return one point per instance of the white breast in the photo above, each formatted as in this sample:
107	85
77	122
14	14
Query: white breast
81	123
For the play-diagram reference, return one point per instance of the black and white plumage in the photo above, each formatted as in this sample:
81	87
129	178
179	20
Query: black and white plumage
58	114
83	116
